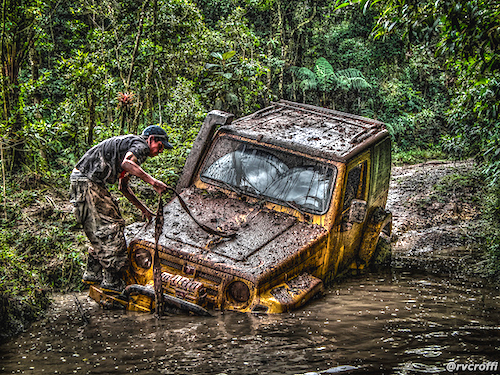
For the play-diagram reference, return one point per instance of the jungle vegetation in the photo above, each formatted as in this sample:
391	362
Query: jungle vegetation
75	72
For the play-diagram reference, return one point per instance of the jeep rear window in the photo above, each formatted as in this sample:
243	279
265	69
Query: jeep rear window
279	177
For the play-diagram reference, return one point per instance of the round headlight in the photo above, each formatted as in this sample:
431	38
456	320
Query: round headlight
143	258
238	291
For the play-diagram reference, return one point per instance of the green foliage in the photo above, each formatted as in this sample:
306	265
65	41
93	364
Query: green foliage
233	84
474	114
64	84
468	30
329	86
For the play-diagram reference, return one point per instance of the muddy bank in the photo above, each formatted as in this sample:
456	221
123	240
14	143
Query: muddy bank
435	215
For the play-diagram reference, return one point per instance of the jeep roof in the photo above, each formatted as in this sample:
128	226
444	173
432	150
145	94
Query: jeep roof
316	131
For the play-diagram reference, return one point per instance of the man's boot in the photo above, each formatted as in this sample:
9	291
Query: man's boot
113	281
93	273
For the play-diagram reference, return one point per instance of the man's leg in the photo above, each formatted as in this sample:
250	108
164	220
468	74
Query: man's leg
93	271
105	231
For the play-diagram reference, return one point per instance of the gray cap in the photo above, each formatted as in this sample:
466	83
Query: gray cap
159	134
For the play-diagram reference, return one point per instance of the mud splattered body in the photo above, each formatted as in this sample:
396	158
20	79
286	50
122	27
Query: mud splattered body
263	239
302	188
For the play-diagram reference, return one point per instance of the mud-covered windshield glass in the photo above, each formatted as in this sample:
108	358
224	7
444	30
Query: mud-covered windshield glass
280	177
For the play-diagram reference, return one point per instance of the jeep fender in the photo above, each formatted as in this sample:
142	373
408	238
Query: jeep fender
380	220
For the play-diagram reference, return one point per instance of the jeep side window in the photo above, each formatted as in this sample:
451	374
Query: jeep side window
356	185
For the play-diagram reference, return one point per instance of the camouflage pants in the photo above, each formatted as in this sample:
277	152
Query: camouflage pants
98	212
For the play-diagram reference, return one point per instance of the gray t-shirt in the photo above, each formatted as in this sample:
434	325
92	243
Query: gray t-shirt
102	163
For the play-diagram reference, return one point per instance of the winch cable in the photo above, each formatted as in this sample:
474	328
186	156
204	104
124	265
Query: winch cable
159	222
206	228
184	206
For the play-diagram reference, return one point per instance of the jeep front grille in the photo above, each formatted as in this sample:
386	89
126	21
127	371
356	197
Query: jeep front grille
215	279
171	264
183	287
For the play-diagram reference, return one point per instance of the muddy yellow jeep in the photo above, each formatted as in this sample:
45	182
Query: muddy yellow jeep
302	188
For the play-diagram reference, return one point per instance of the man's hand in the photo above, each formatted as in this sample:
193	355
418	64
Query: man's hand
148	214
159	186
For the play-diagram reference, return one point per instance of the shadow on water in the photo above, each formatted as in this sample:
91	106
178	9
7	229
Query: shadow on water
394	323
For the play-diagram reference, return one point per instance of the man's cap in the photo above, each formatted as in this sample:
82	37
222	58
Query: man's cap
159	134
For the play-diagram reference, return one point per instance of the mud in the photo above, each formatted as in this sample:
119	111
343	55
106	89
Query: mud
326	131
264	238
432	227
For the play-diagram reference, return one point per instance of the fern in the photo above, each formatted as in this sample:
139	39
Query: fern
359	83
307	80
305	74
348	79
308	84
325	80
324	73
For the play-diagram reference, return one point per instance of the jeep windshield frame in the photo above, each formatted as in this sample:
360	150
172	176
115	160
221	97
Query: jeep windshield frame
296	181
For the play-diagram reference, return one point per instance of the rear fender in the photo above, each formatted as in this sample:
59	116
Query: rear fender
379	220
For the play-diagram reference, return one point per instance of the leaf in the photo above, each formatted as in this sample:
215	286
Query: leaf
217	55
231	98
225	75
304	73
359	83
210	66
324	72
228	55
308	84
343	5
366	6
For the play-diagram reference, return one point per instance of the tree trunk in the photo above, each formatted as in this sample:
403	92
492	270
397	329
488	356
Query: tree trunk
91	106
35	75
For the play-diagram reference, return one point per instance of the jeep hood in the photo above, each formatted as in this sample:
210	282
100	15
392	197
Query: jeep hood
263	237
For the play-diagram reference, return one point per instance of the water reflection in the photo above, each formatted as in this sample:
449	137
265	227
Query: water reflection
396	324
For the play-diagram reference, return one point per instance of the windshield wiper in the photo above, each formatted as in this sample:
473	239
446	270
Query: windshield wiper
230	187
293	205
249	189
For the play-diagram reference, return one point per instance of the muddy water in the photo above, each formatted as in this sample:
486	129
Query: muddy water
390	323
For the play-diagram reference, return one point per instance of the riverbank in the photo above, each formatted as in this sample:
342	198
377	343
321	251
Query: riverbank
437	219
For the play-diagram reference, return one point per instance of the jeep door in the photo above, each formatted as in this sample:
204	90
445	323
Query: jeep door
354	207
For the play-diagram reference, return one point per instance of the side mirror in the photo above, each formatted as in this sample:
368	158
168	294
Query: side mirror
357	212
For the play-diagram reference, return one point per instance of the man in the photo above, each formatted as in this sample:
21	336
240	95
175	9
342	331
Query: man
116	158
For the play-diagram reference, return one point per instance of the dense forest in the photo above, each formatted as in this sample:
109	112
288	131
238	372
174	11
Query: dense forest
75	72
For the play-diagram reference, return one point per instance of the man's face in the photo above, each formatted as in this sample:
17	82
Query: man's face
155	146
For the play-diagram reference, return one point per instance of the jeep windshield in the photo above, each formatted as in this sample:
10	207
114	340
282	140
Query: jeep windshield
284	178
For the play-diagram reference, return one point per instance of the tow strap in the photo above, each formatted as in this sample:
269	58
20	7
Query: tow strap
156	263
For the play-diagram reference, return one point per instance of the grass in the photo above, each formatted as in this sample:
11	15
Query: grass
417	156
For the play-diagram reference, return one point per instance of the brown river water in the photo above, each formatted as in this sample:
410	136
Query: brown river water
393	322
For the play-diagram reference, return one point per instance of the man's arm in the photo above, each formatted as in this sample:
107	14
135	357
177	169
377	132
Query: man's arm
130	166
129	194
